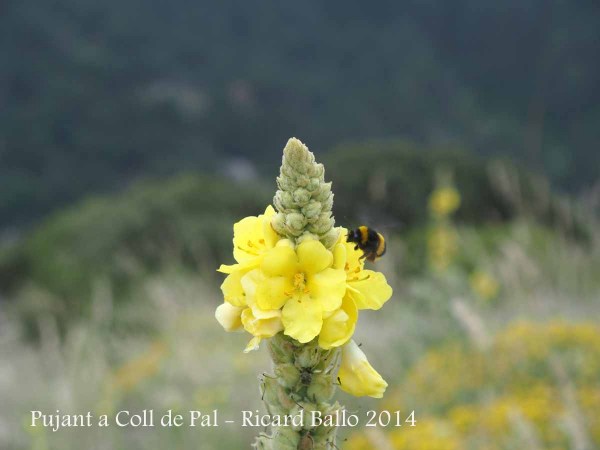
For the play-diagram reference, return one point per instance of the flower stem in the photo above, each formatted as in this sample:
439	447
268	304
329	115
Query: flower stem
303	383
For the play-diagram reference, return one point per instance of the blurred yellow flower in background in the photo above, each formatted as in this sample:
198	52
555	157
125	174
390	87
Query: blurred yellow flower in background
133	372
444	201
537	379
484	285
442	246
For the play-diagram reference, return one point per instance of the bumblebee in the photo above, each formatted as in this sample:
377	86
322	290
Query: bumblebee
369	241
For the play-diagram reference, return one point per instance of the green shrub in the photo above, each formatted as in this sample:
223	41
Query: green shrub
126	236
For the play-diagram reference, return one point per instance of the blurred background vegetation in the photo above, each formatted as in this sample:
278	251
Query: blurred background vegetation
133	136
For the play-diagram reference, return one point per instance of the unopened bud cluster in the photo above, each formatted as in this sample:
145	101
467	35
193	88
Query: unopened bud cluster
304	200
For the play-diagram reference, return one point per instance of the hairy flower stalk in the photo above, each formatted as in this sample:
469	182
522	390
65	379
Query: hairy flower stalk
298	283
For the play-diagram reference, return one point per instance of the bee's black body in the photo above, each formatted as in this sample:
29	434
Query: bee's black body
369	241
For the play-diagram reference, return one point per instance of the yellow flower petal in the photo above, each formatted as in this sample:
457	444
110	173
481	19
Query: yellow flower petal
229	316
280	261
313	256
244	267
272	292
253	344
354	260
327	288
265	313
232	289
373	289
302	318
339	327
339	256
261	327
356	375
249	283
224	268
246	235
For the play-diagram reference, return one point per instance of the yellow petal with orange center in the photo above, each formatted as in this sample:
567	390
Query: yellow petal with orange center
354	260
252	237
271	293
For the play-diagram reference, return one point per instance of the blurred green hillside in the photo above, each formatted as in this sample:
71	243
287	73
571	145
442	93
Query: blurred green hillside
96	95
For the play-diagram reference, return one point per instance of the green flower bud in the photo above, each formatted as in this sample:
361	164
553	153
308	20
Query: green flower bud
308	356
287	374
295	223
322	225
281	349
271	394
330	238
303	198
312	210
278	223
321	388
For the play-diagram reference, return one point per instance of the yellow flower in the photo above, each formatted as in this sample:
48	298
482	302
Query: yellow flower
229	316
356	375
252	238
262	324
300	282
365	289
484	285
130	374
444	201
368	289
442	246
